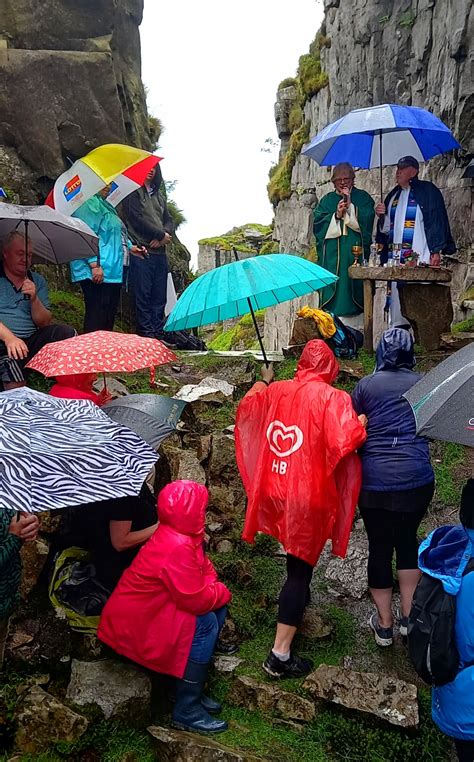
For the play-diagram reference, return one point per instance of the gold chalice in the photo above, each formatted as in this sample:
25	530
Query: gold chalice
356	253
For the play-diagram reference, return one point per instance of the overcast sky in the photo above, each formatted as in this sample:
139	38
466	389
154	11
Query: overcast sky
211	69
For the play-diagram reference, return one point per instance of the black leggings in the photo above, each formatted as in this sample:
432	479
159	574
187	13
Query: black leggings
295	593
464	750
388	531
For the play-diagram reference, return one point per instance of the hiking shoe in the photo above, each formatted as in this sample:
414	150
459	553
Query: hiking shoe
383	635
403	626
295	666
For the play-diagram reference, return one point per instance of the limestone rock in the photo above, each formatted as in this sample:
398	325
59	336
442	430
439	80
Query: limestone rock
179	746
120	690
33	556
226	664
385	697
208	390
185	465
224	546
348	576
413	53
43	720
429	310
269	698
314	625
115	388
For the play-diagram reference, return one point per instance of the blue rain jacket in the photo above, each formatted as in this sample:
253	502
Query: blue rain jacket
393	457
445	555
105	222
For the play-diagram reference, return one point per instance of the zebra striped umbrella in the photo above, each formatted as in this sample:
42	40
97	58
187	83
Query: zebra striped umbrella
58	453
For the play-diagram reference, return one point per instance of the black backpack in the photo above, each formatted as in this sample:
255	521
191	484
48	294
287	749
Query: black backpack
431	631
347	341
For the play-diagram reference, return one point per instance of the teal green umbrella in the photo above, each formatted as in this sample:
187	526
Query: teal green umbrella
245	286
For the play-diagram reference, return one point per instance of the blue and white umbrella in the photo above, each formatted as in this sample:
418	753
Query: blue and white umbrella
58	453
379	136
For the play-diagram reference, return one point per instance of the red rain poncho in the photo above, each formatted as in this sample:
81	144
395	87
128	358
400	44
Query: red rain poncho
295	443
151	615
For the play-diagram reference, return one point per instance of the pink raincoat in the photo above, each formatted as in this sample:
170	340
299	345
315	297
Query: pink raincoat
151	615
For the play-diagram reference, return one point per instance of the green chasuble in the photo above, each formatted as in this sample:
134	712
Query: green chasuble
334	242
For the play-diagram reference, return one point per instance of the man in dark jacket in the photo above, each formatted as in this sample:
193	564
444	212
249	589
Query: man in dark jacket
150	225
414	215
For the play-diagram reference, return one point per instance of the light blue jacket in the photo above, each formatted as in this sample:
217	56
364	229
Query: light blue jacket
445	555
105	222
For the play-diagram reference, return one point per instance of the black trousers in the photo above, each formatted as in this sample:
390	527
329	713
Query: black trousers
464	750
295	593
390	531
13	370
101	303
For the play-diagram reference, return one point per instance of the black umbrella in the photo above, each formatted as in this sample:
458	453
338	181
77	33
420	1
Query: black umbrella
443	401
151	416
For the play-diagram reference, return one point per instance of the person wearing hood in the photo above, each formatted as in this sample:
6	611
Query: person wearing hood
169	606
79	386
446	555
397	479
150	225
295	445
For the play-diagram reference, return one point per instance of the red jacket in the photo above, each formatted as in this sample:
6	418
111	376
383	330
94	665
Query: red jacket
295	443
151	615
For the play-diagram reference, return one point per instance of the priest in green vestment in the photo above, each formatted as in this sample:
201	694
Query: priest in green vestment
343	218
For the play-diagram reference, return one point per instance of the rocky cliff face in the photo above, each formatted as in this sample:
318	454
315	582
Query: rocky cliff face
415	52
70	80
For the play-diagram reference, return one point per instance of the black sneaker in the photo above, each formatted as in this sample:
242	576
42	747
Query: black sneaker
383	635
166	340
295	666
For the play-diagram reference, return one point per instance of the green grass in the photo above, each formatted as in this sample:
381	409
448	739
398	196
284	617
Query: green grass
448	483
465	326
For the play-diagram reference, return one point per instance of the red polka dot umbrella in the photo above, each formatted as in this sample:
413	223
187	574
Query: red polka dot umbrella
101	352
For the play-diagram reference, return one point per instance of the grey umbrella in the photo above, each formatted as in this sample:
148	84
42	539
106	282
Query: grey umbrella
56	238
443	401
151	416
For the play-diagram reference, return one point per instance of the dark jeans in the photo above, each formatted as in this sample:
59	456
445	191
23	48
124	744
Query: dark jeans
390	531
295	592
464	750
208	627
101	303
148	282
12	370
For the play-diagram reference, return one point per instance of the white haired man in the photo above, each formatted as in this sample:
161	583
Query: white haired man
26	323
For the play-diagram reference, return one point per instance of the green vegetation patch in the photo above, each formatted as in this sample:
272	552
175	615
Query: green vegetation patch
279	187
465	326
241	335
448	459
235	238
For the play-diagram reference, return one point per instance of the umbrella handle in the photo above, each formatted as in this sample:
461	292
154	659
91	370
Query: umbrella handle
260	341
380	160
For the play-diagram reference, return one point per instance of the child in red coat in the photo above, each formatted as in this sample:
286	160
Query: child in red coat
169	606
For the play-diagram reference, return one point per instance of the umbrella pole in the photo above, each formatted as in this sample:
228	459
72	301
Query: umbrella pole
380	159
257	331
26	248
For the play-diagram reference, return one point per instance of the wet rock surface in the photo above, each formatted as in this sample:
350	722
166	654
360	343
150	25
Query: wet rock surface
120	690
43	720
269	698
392	700
178	746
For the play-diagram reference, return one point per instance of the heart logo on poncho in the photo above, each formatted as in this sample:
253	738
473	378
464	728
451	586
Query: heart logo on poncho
284	440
